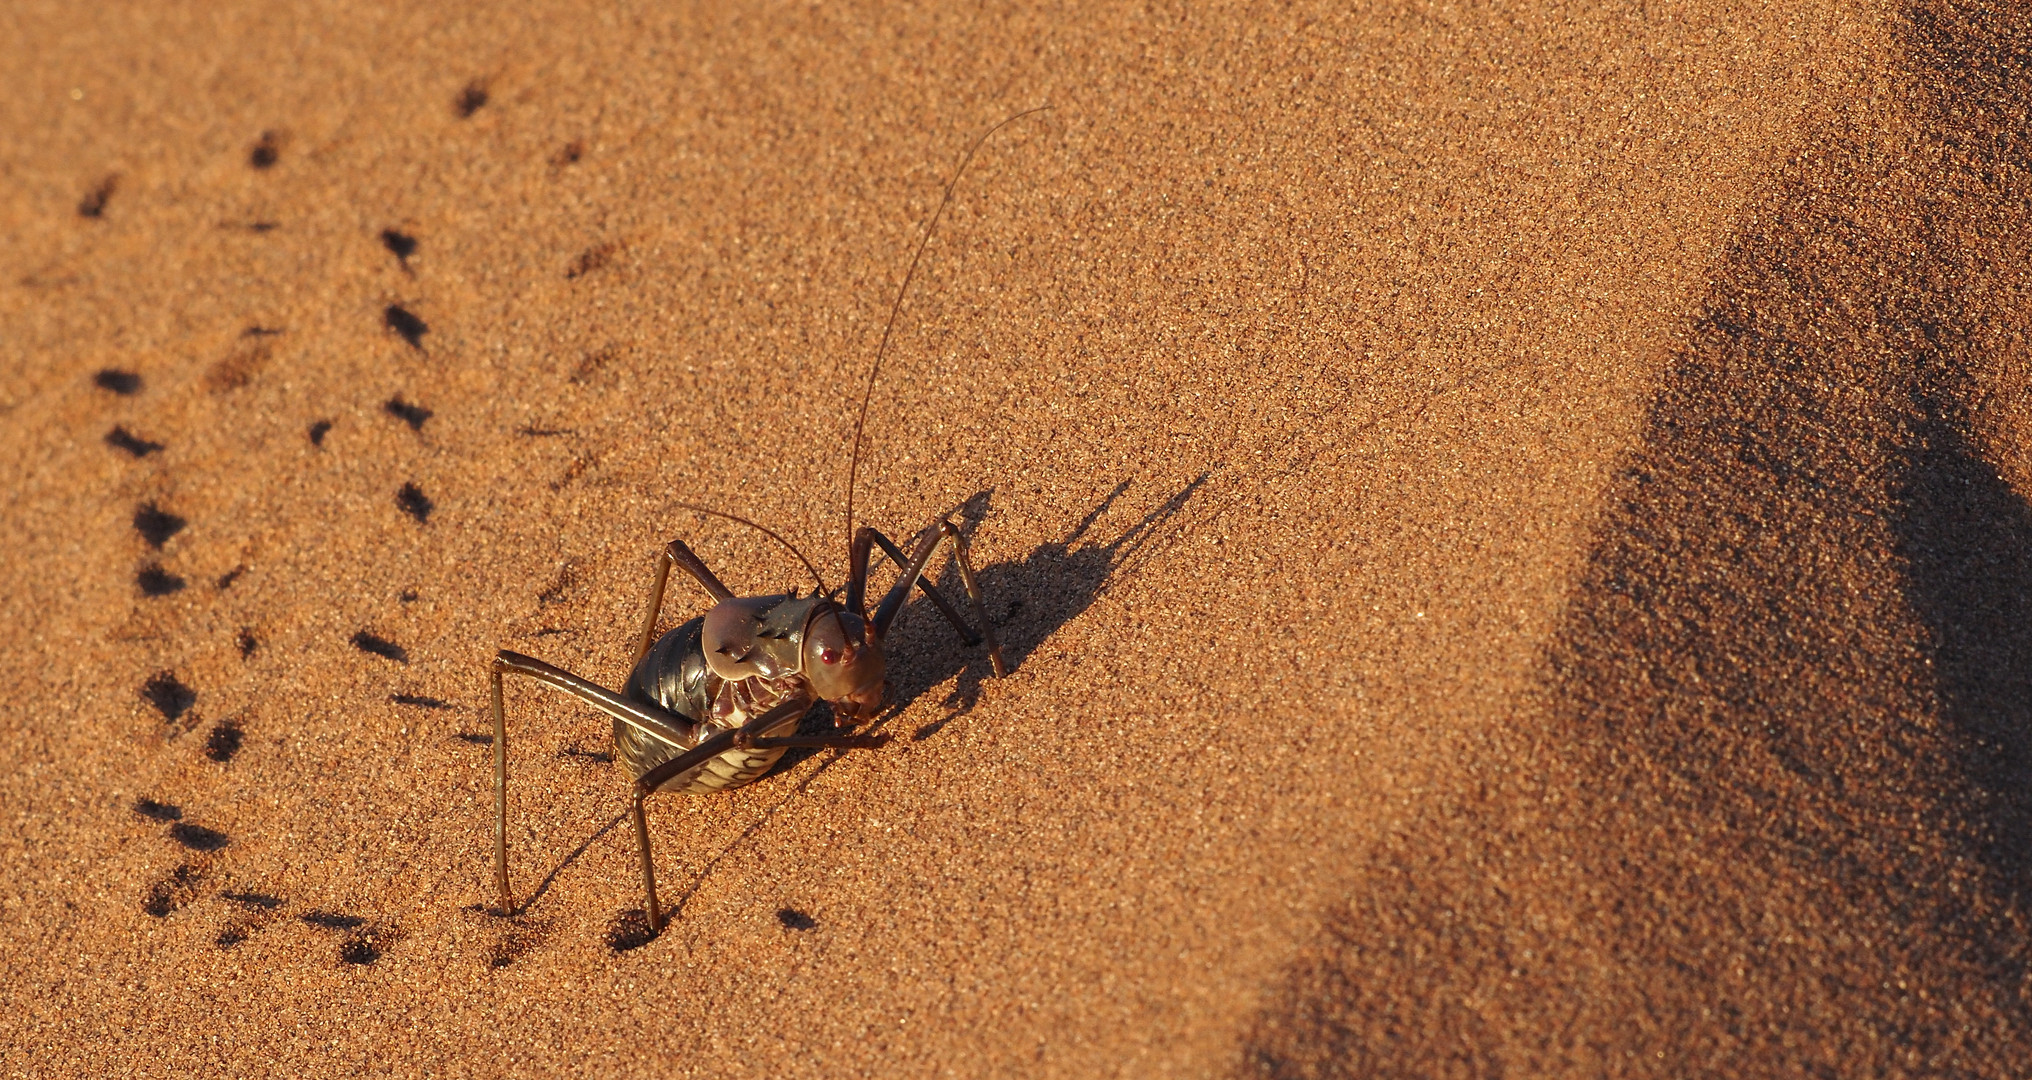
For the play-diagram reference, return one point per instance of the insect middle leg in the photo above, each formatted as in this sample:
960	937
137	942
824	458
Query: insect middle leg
674	553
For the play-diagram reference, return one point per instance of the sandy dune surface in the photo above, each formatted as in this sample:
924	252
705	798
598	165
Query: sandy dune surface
1509	522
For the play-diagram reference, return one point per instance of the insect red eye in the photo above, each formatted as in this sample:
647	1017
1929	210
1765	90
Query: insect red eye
830	656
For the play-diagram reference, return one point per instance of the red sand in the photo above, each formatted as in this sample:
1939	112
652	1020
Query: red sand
1511	524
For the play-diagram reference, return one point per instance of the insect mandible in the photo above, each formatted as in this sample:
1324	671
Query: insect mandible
712	704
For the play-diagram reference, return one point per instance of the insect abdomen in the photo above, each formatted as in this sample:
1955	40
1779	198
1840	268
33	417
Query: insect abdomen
673	675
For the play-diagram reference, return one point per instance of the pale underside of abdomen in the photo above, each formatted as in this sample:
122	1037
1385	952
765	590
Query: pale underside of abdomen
639	752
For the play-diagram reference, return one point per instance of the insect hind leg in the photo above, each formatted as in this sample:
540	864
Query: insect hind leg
647	718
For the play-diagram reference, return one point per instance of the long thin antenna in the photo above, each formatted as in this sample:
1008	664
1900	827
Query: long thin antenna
861	420
764	530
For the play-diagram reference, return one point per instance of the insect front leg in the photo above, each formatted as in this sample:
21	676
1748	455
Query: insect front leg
931	592
892	603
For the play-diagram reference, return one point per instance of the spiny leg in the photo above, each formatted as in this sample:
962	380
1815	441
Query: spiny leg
647	718
674	552
974	596
931	592
913	570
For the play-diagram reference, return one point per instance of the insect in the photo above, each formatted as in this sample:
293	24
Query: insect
714	703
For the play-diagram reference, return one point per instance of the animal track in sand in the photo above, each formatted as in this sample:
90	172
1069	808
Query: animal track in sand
380	646
365	942
155	581
471	99
413	415
629	930
793	919
516	941
121	439
93	205
405	323
266	151
157	811
197	837
224	741
400	244
124	383
174	890
157	525
168	694
415	503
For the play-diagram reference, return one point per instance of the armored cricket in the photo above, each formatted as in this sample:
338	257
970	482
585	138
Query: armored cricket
714	703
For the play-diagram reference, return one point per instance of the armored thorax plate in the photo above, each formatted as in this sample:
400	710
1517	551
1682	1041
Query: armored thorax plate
760	635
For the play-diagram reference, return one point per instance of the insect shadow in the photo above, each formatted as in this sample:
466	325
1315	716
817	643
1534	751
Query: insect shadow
544	887
1029	598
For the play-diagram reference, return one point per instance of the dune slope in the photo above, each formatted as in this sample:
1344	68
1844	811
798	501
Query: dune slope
1769	812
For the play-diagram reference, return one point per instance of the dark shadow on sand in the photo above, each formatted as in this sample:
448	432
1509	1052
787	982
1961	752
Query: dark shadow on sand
1030	599
1769	812
1967	540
